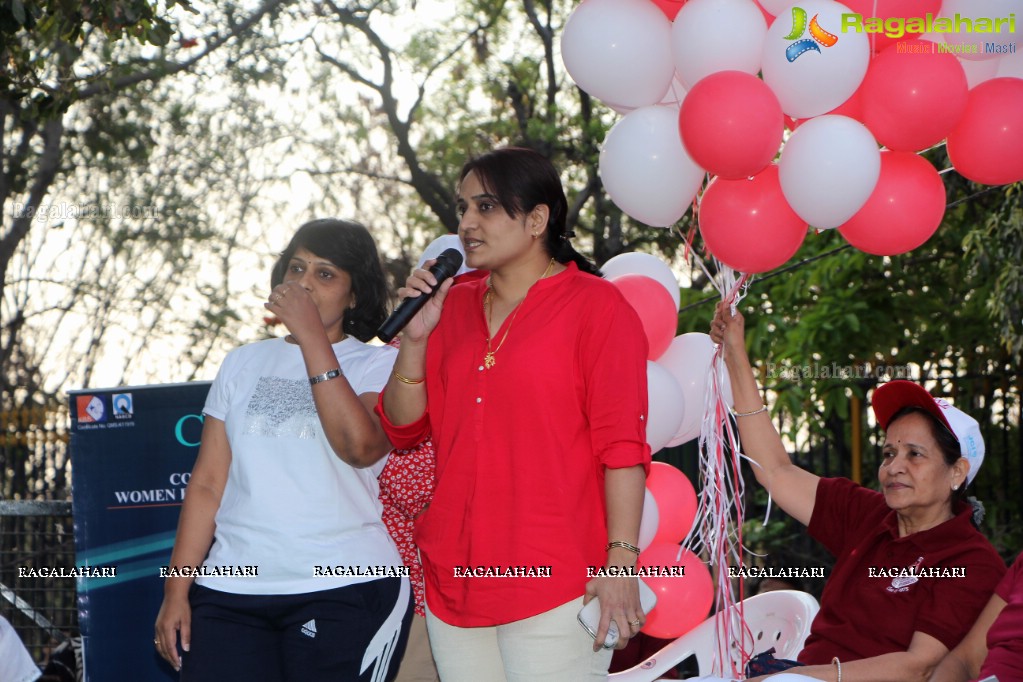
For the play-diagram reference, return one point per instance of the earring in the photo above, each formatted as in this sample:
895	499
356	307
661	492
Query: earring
535	235
955	487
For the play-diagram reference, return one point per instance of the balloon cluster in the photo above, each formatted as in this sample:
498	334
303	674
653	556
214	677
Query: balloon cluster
677	366
708	86
683	598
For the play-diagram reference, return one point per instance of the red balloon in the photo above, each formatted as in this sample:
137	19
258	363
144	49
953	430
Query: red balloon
912	101
676	502
905	209
748	224
683	601
987	145
886	9
731	124
655	307
669	7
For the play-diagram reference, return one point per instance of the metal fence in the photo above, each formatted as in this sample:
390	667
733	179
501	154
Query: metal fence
43	611
35	463
36	526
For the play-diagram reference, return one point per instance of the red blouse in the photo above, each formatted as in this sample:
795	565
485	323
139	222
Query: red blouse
518	513
406	486
1005	636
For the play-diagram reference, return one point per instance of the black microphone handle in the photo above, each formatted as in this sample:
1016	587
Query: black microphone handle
446	266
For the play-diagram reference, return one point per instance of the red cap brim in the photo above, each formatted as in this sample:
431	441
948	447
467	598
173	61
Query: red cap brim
891	397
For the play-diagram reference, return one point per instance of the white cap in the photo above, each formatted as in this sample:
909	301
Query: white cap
441	244
891	397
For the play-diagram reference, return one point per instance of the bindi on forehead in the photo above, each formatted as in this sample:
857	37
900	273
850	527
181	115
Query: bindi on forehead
324	263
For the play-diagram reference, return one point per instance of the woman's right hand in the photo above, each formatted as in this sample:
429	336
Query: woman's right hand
728	329
420	283
175	617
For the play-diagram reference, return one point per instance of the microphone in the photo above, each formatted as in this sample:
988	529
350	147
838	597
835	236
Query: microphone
447	265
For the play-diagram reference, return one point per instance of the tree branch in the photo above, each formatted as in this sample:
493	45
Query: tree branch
212	42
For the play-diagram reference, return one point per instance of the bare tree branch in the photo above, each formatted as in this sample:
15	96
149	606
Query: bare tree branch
212	42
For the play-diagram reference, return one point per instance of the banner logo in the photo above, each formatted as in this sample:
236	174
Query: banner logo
123	406
818	36
91	409
897	27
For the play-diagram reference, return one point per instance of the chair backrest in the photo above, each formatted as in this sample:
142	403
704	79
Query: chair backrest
779	619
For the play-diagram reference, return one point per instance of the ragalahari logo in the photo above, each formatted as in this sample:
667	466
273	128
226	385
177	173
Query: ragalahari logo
818	36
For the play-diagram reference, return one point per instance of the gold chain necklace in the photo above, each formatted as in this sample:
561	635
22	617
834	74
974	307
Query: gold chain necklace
488	308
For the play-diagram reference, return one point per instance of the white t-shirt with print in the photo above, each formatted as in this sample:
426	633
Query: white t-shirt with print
292	510
16	665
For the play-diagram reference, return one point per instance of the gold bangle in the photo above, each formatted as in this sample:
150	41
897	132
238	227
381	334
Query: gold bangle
406	380
763	408
624	545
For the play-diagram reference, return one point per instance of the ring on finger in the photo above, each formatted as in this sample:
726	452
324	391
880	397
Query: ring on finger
636	623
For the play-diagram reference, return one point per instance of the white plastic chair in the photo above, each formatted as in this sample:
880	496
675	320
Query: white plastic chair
779	619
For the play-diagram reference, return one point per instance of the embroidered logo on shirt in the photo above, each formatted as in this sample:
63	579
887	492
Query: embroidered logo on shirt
309	629
901	583
281	408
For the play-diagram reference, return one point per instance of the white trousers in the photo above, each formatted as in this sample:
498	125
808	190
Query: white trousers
549	647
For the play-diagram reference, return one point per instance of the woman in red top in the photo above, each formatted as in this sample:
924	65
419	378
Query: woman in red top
532	385
994	645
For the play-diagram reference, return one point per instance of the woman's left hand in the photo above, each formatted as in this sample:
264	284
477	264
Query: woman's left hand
291	303
619	601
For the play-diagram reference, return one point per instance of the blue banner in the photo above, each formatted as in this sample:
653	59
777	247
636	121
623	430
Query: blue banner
132	450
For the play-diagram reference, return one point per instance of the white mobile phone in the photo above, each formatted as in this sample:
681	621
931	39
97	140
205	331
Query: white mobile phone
589	615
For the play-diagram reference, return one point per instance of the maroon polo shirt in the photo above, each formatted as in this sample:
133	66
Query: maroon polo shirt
863	616
1005	637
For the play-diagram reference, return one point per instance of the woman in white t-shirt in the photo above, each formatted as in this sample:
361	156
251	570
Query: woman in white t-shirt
282	569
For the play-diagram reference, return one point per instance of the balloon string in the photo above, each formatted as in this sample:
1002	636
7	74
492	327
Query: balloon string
717	531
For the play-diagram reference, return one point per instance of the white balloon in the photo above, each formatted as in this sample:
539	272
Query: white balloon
676	93
976	40
776	7
636	263
689	359
1010	66
979	71
809	76
828	169
648	523
665	407
619	51
646	170
717	35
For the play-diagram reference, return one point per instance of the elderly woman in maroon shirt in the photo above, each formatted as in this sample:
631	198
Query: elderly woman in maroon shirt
911	571
532	383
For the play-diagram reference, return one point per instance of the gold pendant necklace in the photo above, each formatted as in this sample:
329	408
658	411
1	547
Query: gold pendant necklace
488	309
